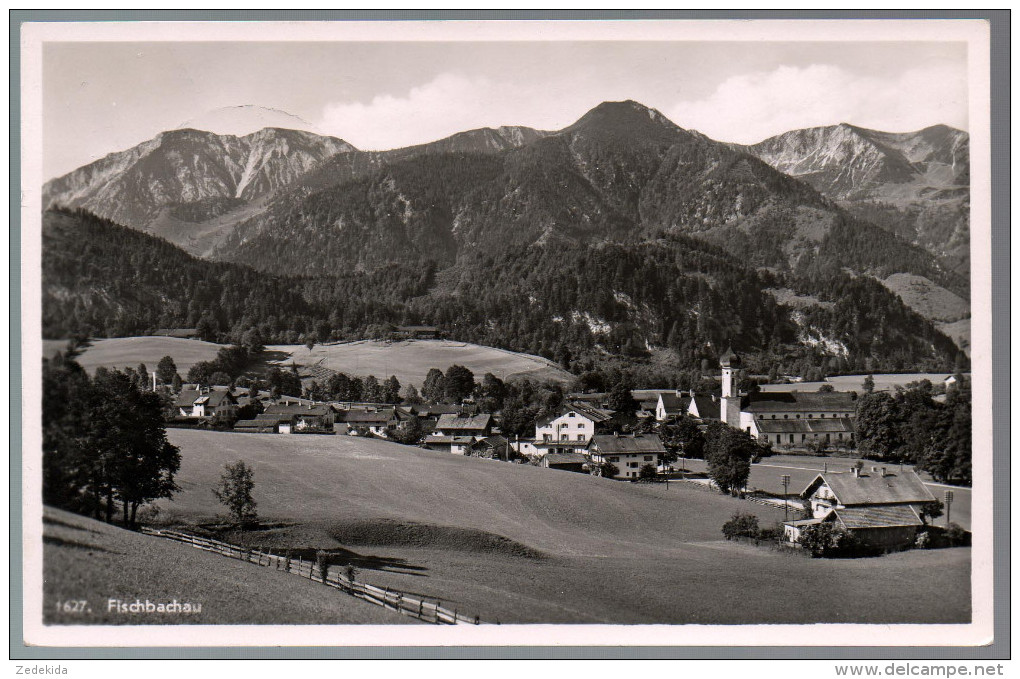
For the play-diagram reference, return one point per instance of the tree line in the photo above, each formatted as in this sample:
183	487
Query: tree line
911	426
104	441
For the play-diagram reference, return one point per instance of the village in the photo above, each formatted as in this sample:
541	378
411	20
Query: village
883	507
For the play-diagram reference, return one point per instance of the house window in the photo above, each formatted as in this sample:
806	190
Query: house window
786	417
565	437
632	464
572	415
773	417
809	416
580	425
798	416
614	458
580	437
648	458
791	438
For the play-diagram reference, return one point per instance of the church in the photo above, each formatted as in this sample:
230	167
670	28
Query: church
791	419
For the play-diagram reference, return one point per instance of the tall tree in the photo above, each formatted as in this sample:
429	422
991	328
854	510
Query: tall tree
729	453
236	492
458	382
165	370
878	427
434	388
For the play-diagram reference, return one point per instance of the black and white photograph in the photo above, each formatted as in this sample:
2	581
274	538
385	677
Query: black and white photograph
600	333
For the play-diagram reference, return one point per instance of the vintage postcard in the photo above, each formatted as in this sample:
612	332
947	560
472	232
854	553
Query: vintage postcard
537	333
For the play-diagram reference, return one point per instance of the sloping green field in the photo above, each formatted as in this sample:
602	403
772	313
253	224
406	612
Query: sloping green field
524	544
86	560
410	360
124	352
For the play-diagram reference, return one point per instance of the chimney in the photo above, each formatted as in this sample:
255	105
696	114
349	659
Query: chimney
883	472
692	393
857	473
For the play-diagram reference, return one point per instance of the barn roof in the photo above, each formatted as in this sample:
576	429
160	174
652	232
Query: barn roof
708	407
672	402
360	417
805	426
473	423
608	444
305	409
792	401
565	458
877	517
872	488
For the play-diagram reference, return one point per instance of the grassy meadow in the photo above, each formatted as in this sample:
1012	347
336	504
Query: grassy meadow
519	544
86	560
410	361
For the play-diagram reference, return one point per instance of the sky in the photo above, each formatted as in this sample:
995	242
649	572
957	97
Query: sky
101	97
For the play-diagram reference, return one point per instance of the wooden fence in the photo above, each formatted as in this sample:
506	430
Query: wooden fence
427	611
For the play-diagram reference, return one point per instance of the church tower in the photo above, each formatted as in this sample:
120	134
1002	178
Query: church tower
729	407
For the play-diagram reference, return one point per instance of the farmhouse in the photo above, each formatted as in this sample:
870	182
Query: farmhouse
704	407
569	428
882	509
478	426
203	403
494	446
672	404
415	332
628	452
377	423
182	333
571	462
458	434
305	416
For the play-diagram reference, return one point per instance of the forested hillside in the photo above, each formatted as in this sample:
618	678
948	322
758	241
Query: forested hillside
575	303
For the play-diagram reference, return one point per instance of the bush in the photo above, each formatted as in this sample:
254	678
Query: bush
829	540
648	472
774	533
923	541
741	525
957	536
607	469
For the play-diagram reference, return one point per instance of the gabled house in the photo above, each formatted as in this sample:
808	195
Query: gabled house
672	404
206	404
704	407
881	508
478	426
568	428
802	432
494	446
457	435
629	452
305	415
376	422
570	462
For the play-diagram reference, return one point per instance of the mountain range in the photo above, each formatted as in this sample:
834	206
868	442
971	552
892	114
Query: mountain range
915	184
464	212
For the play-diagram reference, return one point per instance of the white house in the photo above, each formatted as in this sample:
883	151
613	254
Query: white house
629	452
205	403
569	428
672	404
